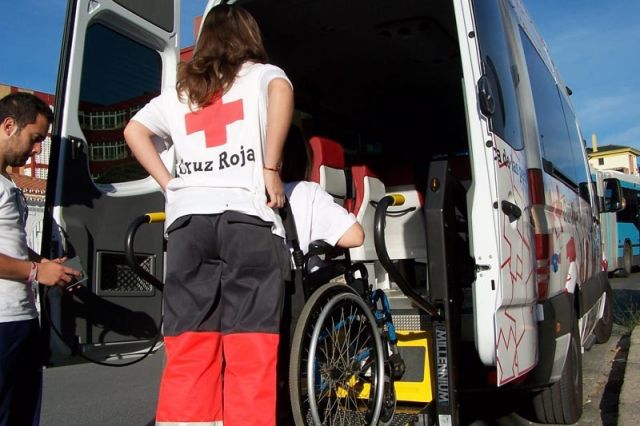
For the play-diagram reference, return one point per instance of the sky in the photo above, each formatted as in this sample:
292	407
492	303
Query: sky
595	44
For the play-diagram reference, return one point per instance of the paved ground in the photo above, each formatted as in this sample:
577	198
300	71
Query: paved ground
92	395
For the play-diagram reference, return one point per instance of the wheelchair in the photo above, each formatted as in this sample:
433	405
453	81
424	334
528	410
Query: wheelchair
344	356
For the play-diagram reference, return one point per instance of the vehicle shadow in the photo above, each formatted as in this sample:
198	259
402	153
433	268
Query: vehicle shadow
609	403
626	314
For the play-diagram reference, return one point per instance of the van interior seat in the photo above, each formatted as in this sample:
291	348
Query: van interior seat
368	190
328	168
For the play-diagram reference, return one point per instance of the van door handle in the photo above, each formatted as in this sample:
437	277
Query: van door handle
511	210
77	146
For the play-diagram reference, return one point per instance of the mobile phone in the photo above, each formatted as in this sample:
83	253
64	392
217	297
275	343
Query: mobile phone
76	282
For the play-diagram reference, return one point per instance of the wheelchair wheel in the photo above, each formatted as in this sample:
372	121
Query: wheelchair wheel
337	363
299	353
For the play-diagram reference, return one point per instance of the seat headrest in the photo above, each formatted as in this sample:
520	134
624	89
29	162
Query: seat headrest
326	152
358	173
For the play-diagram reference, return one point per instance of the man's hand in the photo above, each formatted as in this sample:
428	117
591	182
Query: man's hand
53	272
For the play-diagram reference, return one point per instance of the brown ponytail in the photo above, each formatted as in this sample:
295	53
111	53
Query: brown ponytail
229	37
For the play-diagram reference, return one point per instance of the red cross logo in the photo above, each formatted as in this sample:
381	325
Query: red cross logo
213	119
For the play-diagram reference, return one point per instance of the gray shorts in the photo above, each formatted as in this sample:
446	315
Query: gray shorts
225	273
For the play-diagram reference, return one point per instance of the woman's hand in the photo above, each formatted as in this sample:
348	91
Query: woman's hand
275	189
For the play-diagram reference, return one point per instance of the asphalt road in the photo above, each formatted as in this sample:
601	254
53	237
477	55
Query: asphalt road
91	395
88	394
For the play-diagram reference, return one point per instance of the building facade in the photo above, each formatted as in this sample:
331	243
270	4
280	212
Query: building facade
613	157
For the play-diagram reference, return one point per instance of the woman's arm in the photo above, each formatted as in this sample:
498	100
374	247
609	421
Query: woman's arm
279	113
138	138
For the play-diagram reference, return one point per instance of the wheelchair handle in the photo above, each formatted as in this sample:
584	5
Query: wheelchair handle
396	199
129	251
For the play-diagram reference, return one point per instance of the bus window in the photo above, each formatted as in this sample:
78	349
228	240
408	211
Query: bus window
119	76
612	196
629	211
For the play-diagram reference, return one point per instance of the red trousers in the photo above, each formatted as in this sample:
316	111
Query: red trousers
192	387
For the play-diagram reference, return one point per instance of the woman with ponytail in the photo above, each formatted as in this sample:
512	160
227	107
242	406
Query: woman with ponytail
226	259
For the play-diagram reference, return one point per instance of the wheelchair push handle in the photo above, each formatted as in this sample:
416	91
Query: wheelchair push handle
396	200
129	251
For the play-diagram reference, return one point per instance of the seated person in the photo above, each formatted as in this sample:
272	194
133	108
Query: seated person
316	214
317	217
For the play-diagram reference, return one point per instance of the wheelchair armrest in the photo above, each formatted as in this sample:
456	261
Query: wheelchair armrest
319	247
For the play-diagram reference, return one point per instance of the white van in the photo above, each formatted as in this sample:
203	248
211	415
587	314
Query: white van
457	100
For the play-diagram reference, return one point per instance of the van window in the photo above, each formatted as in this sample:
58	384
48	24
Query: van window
577	146
558	153
500	69
119	76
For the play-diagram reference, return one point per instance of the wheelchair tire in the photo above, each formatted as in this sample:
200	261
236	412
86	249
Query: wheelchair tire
336	373
299	352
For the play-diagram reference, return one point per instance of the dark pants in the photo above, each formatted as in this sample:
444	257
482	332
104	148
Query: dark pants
222	307
20	373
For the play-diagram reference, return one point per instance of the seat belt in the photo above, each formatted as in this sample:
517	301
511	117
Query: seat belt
295	292
291	233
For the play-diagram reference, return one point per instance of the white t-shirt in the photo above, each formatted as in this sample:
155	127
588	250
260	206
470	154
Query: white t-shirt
316	214
17	301
219	148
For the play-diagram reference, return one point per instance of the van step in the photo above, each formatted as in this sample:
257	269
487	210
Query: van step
403	419
356	419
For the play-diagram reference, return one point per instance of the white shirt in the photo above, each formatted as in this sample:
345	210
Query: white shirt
316	214
219	148
17	301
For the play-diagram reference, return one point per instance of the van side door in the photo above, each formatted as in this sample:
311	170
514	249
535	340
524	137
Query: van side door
116	56
502	233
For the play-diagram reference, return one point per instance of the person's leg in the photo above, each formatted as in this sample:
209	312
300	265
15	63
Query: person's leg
252	297
20	373
191	386
27	393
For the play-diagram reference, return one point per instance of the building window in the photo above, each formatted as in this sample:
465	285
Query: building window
601	161
108	151
102	120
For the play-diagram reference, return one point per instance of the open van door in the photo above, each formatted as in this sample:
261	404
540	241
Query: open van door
116	56
504	292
